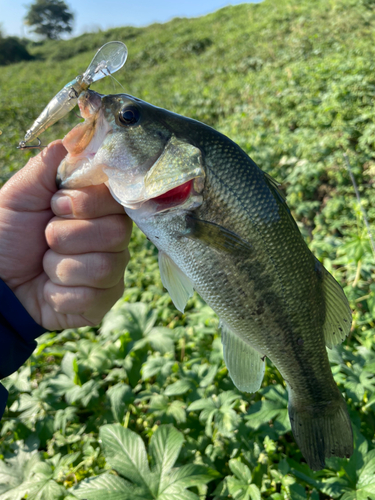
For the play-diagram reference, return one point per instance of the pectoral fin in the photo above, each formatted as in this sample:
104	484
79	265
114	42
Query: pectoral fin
216	236
179	286
245	364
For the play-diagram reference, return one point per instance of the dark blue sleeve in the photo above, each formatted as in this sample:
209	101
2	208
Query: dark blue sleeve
17	333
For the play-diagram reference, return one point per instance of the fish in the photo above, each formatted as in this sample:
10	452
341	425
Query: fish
222	227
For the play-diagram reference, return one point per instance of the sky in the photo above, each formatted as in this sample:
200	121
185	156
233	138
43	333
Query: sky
91	15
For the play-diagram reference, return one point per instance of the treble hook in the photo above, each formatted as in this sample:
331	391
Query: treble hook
22	145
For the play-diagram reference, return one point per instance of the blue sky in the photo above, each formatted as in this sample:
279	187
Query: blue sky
93	14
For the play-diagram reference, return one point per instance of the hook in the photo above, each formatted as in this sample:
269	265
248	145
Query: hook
22	145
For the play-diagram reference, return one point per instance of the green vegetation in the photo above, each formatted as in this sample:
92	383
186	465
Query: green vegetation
292	82
12	50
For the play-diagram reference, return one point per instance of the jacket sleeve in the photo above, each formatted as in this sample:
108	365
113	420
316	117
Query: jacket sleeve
17	333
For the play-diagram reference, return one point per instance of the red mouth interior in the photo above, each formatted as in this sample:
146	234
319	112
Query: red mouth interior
175	196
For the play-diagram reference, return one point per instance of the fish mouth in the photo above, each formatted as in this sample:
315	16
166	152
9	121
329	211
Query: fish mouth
158	184
79	168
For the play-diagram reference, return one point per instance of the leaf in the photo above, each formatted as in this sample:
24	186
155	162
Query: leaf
297	492
93	356
273	406
161	340
240	470
20	380
156	365
16	468
209	377
166	410
165	446
67	365
190	475
240	485
135	318
178	388
107	487
202	404
120	396
125	452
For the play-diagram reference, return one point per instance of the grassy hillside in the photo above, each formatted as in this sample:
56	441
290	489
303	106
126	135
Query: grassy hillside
292	82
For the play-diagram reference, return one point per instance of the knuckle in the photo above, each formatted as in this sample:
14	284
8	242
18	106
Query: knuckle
103	270
83	204
68	300
108	268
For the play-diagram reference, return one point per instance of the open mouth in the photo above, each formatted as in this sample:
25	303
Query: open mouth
170	176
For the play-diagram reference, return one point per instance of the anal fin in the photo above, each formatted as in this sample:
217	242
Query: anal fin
245	364
179	286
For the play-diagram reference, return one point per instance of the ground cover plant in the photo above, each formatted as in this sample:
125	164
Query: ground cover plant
142	406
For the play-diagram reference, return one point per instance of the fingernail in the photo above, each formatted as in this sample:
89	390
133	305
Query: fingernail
61	205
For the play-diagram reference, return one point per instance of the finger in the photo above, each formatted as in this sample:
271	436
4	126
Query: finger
86	203
110	233
96	270
31	188
91	303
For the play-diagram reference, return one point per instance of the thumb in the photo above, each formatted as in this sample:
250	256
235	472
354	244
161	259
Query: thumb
32	187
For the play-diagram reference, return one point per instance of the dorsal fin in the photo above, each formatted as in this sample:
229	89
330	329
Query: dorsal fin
338	317
275	187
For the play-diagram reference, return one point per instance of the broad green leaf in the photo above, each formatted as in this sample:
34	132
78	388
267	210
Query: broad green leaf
202	404
120	396
165	446
16	469
161	339
240	470
208	376
240	490
125	452
93	356
178	388
274	405
20	380
167	410
67	365
135	318
45	489
156	365
190	475
175	493
297	492
108	487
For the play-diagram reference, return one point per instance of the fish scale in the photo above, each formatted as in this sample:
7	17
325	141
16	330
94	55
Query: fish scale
235	242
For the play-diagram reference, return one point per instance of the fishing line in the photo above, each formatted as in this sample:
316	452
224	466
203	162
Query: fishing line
117	82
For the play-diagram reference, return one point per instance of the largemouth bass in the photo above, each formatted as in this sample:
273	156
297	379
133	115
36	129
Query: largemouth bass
222	228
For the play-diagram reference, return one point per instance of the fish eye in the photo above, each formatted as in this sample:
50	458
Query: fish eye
129	115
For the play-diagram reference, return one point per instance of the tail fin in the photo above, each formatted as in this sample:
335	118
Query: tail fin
322	432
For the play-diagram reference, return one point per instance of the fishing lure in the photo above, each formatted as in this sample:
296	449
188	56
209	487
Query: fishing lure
109	58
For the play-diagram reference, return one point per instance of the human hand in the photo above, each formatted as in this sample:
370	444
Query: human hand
67	270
